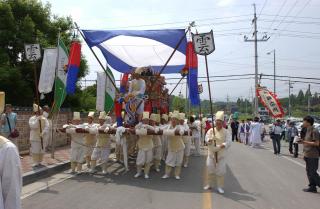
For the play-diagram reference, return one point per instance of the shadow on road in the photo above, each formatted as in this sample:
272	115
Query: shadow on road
234	190
191	178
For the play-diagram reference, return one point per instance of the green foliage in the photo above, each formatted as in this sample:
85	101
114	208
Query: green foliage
21	22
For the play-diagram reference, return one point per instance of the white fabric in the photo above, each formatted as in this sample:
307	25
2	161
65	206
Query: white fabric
255	133
157	152
48	68
195	127
144	156
220	167
101	91
101	153
34	128
175	158
141	52
78	150
36	147
196	141
11	179
187	147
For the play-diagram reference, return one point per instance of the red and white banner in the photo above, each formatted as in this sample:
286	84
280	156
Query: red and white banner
270	101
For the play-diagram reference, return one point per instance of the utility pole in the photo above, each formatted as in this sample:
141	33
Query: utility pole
256	40
309	95
274	69
289	105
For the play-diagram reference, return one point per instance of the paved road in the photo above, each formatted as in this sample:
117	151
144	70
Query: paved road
256	179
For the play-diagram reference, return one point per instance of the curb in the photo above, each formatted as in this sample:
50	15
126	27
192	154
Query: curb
47	171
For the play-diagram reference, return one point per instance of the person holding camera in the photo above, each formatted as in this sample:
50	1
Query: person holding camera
311	149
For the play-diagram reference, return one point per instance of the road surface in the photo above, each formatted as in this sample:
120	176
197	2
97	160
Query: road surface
256	179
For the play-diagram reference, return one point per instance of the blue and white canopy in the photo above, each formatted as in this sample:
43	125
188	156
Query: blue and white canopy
125	50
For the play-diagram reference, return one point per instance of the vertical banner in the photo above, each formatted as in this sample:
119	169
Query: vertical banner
61	78
105	92
101	90
73	66
48	70
2	101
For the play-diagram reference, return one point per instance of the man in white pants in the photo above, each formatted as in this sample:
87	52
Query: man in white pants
219	140
90	139
157	143
78	148
195	128
186	140
175	146
37	135
145	145
164	139
103	145
10	173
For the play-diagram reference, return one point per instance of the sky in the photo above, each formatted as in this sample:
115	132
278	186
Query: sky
292	25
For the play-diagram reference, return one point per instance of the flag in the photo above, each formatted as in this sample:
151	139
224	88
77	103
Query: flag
105	91
125	50
124	83
192	74
270	101
73	66
48	69
61	78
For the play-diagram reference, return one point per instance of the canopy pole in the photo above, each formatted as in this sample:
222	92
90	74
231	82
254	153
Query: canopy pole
104	69
176	86
177	46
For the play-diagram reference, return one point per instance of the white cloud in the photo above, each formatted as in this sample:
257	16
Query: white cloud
223	3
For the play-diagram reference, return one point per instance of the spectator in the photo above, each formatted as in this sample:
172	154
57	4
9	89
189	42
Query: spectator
234	128
292	133
8	124
47	137
276	137
10	173
311	154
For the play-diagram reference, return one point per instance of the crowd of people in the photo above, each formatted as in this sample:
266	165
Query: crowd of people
157	142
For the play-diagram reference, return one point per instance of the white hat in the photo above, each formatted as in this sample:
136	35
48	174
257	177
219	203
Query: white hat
36	108
182	116
175	114
165	117
2	101
102	115
139	70
220	115
153	117
158	118
76	116
145	115
91	114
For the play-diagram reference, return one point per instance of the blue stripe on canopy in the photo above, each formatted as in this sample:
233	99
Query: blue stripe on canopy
125	50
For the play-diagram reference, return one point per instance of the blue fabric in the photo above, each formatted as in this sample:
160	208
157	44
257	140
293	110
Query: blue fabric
12	119
193	86
72	78
169	37
119	121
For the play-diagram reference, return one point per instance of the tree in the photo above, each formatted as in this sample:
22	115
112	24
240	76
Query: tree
27	22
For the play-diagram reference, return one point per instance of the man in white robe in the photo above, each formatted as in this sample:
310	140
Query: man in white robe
255	133
10	175
37	134
219	141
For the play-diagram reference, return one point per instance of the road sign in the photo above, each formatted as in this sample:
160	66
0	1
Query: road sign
203	43
32	51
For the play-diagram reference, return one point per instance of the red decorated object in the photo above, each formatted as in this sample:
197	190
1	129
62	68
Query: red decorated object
270	101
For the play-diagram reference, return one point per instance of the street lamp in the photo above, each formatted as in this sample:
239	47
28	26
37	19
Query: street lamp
274	69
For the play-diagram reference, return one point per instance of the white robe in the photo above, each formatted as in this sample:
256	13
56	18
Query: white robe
255	133
10	176
219	168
